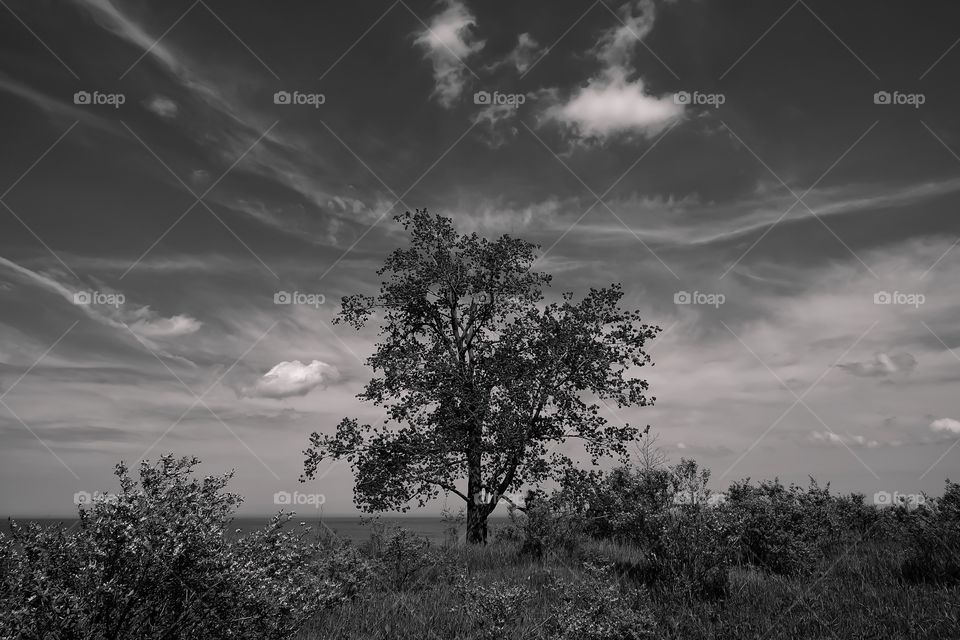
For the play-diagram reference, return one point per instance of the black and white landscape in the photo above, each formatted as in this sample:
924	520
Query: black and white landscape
628	318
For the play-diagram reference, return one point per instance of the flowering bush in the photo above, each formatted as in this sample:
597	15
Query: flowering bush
594	607
494	608
153	562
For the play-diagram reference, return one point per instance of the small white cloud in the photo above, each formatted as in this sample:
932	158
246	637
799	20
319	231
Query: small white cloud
613	104
163	107
289	379
447	43
946	425
159	327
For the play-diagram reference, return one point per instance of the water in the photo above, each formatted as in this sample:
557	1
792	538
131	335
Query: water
347	527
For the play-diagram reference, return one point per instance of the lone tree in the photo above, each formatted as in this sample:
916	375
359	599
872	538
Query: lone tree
479	378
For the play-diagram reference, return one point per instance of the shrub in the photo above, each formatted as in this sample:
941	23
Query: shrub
933	539
153	562
402	556
774	530
495	607
548	525
593	606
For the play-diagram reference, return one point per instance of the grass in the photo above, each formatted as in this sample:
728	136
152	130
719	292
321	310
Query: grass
856	593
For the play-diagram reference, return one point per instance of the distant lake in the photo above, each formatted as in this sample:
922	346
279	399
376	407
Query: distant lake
346	527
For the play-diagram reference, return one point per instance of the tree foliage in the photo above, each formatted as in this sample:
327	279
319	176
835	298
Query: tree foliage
480	378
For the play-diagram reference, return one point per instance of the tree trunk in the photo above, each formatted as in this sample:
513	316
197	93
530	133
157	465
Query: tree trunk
476	504
476	523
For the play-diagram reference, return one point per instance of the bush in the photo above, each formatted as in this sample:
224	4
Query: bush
494	608
933	539
153	562
776	529
402	557
594	607
548	525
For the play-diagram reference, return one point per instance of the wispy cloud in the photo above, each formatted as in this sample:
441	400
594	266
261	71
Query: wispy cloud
447	42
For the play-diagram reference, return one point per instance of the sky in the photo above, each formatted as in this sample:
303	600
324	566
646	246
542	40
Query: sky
188	188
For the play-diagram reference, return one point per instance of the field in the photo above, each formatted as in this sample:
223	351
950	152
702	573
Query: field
856	593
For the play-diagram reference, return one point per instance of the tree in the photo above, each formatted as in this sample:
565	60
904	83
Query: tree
479	378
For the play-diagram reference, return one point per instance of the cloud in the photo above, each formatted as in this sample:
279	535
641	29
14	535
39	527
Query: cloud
522	56
163	107
496	123
447	42
294	378
612	104
828	437
607	107
881	366
948	425
115	312
150	325
110	18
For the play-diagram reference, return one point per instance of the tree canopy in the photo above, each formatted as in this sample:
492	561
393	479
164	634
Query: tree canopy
479	377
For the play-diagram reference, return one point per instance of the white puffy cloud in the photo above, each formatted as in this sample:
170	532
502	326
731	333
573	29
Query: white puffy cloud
610	106
289	379
946	425
612	103
447	42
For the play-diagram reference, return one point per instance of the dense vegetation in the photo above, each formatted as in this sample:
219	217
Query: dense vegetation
639	552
